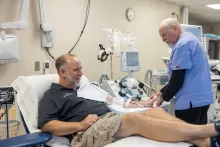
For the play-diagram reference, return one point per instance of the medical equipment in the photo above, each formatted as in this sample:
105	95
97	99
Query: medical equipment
24	87
115	41
103	54
46	29
130	61
215	77
194	29
121	89
9	49
127	85
9	46
159	79
142	84
6	95
129	89
9	43
148	81
213	63
211	117
22	23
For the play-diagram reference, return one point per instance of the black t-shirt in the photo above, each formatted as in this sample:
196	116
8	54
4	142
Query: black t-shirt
63	104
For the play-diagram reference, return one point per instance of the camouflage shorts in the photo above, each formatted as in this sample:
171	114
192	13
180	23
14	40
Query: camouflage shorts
99	134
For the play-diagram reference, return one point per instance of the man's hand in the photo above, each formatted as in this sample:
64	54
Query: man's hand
155	95
141	104
150	102
88	121
159	101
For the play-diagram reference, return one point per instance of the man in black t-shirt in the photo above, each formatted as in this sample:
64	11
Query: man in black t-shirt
92	123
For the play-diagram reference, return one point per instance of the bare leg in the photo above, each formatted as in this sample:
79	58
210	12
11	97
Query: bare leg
162	130
162	114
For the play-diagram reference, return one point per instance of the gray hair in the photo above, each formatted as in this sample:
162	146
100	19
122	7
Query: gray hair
169	22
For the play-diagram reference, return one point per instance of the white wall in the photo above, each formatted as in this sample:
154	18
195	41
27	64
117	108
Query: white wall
67	17
216	29
206	28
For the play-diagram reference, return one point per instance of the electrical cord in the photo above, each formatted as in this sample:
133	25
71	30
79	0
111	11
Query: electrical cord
174	14
148	81
86	19
142	84
48	51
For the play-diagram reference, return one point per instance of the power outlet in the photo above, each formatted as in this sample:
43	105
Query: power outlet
47	67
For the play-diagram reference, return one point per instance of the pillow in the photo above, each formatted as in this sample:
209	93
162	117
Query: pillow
30	90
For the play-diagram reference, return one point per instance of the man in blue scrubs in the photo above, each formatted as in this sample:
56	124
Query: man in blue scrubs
188	72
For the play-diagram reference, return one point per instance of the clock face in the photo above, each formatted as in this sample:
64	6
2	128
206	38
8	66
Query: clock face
130	14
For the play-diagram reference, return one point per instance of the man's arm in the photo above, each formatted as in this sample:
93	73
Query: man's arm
132	104
112	100
60	128
174	85
149	103
169	90
163	89
158	93
48	119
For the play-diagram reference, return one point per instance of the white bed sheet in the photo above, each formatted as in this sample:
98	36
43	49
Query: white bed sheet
137	141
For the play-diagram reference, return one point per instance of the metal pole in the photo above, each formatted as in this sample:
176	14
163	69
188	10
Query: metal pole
23	16
41	7
185	15
6	111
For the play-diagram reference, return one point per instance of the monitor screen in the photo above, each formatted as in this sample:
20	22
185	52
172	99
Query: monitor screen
132	59
194	29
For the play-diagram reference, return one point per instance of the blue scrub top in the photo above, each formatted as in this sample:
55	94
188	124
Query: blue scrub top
188	53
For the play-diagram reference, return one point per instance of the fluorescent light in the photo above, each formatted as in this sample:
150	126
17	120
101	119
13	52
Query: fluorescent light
215	6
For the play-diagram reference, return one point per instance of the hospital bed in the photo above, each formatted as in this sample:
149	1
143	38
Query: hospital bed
29	90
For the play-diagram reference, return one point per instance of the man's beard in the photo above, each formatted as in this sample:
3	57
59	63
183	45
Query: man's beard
170	45
71	82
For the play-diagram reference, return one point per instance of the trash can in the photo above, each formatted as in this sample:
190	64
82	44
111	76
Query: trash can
13	126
